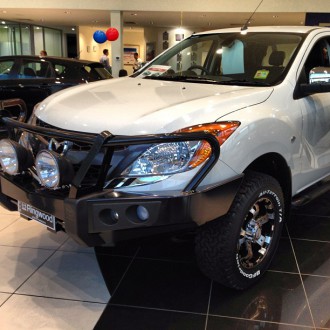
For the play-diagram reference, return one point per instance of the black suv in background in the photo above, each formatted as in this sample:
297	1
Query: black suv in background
33	78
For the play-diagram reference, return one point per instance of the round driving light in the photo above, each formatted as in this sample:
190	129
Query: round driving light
47	169
53	169
14	158
142	213
8	157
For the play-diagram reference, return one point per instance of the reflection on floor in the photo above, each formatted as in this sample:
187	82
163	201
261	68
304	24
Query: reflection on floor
48	282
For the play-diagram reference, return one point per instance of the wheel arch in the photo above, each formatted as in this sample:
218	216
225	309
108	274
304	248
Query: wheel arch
276	166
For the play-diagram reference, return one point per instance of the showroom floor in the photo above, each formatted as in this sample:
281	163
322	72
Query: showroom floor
48	282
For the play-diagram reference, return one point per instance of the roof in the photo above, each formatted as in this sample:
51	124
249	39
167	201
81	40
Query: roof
293	29
50	58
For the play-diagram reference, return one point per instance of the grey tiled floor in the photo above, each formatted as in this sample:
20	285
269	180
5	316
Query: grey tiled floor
48	282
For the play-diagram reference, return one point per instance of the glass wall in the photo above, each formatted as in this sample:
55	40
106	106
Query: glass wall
18	39
53	42
10	39
26	39
5	43
38	37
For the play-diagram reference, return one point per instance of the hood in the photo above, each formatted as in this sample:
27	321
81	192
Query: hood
133	106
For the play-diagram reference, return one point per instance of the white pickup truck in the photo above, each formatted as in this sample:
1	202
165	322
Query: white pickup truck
220	134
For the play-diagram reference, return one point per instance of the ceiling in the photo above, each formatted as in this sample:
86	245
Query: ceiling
137	19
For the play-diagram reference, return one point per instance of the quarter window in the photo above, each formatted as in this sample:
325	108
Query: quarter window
6	68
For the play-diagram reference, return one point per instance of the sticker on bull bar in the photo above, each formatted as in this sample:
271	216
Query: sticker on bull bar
33	213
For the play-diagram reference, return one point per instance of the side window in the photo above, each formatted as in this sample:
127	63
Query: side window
67	71
59	69
6	69
318	56
28	70
86	73
35	70
44	70
92	74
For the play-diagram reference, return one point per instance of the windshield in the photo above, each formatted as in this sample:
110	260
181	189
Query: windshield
227	58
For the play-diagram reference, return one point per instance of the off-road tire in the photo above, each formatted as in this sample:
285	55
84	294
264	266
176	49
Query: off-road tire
254	223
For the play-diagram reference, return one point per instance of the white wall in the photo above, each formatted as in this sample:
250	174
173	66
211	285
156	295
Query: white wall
171	37
88	49
91	50
134	37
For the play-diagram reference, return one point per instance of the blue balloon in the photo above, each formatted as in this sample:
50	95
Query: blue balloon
99	36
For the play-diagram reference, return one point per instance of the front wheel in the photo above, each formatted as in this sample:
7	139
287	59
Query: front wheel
235	250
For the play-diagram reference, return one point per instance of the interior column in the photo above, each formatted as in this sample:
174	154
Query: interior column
116	19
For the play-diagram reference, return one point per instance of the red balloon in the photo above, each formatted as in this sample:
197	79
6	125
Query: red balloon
112	34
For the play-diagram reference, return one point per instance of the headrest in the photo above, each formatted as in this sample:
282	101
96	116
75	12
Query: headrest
277	58
29	72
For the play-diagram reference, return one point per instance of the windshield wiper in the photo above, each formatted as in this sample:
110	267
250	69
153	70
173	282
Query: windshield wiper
205	80
183	78
243	82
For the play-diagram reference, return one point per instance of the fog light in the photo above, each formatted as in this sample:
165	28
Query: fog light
114	215
53	169
142	213
14	158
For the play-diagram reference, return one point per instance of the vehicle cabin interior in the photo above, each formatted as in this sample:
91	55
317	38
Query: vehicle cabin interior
257	58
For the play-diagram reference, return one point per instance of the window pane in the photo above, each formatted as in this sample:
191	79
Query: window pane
53	42
38	39
17	39
26	40
10	42
5	45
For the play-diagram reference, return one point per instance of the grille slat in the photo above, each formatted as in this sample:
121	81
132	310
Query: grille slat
80	146
77	152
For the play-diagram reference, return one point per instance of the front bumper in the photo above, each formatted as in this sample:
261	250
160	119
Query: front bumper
94	215
88	219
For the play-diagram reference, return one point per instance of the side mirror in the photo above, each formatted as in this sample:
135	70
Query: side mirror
318	82
319	75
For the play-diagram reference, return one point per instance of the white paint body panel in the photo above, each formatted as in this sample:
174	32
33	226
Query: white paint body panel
131	106
271	120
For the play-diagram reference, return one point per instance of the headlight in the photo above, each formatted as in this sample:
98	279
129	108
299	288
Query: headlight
162	159
169	158
13	157
53	170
